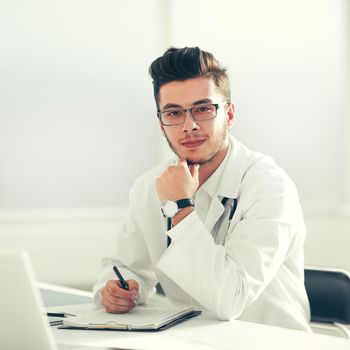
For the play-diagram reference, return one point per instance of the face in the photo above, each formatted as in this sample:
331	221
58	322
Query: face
200	142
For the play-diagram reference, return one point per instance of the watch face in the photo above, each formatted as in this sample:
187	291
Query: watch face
170	208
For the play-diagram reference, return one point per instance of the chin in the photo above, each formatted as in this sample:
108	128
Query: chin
191	162
200	161
194	157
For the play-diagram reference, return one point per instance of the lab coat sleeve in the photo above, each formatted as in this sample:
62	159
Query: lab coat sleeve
226	279
131	258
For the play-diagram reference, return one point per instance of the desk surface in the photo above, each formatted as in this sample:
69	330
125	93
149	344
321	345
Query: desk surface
199	333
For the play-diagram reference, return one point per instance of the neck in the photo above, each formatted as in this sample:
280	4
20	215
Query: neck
207	169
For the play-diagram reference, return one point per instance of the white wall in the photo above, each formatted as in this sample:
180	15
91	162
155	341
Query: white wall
67	245
76	100
346	119
76	108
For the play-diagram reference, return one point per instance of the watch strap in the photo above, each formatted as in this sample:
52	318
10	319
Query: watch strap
186	202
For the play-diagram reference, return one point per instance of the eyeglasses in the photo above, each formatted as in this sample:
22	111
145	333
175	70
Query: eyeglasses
177	116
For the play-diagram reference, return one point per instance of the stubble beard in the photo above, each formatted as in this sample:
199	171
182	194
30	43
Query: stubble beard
209	159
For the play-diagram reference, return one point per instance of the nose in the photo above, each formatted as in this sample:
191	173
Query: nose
189	124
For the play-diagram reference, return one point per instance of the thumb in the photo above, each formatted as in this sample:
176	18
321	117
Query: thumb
194	169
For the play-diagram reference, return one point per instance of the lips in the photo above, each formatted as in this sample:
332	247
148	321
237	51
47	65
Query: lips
193	143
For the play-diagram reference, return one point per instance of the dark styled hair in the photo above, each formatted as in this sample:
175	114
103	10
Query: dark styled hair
187	63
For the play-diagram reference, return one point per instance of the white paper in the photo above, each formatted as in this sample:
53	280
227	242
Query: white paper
139	317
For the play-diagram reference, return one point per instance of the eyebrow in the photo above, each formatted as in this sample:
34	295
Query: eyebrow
196	103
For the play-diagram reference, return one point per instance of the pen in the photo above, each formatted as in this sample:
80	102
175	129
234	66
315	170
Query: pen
59	314
121	278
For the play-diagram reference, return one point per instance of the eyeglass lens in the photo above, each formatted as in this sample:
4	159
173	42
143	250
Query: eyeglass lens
199	113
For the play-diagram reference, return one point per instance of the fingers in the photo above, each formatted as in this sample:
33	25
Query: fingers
177	182
133	287
117	305
194	170
117	300
183	162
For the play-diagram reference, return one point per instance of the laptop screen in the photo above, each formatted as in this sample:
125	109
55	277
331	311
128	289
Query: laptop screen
22	322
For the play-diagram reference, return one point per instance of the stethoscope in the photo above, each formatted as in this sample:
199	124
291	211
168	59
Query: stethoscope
230	205
222	226
232	202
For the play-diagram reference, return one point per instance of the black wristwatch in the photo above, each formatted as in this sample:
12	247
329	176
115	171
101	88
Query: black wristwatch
170	208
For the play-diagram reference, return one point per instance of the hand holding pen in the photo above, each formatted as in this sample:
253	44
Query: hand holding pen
122	281
119	296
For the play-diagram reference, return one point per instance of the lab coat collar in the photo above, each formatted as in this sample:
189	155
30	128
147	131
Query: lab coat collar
212	183
234	170
226	179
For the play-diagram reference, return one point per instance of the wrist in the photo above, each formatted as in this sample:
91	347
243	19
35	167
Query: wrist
171	207
182	214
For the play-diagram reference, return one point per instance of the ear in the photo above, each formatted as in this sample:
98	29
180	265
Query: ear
230	114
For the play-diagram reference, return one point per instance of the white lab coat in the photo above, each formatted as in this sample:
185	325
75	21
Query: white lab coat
254	272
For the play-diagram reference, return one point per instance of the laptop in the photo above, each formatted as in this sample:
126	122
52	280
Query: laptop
23	324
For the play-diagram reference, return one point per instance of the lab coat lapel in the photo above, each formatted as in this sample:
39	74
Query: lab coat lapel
215	211
230	181
234	170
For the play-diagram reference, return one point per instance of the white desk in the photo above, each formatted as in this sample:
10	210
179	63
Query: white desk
202	333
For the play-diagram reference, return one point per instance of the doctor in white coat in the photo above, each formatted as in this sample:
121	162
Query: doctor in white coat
221	228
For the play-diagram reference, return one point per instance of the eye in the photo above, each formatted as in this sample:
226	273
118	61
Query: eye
204	109
173	113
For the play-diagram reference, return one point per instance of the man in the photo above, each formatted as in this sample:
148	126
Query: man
221	228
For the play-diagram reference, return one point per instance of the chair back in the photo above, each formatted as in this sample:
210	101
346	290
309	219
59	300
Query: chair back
328	291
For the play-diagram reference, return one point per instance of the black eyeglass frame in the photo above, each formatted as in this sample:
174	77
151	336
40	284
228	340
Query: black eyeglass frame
216	105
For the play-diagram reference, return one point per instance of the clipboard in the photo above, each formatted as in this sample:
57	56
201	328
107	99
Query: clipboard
140	319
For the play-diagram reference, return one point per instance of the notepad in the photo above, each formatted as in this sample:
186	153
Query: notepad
138	319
